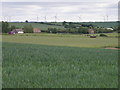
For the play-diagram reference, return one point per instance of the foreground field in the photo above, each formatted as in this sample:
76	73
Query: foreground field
64	40
42	66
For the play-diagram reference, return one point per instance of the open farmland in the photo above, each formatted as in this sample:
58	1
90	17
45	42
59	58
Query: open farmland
42	66
59	25
45	27
64	40
38	25
102	24
60	44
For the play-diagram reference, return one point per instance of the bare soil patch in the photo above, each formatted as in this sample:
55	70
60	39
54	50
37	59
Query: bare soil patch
113	48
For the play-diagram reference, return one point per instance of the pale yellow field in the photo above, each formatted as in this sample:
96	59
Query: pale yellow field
62	40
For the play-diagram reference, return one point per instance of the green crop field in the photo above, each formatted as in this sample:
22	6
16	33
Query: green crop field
63	40
43	66
36	25
59	61
102	24
45	26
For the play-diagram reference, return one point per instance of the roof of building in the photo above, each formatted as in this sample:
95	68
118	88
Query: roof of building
17	30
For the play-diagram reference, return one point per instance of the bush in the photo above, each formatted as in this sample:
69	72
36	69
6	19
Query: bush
103	35
103	30
52	30
5	27
28	29
12	27
83	30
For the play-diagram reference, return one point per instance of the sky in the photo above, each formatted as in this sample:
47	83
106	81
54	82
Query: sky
59	10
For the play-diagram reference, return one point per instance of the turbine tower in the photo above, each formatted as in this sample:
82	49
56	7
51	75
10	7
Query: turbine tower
55	18
45	18
9	18
104	18
107	17
79	18
37	19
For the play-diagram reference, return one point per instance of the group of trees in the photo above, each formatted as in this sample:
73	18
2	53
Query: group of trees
118	28
7	28
69	28
28	29
81	30
102	30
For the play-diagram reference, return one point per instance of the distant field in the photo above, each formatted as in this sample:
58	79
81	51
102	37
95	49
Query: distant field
102	24
45	27
42	66
36	25
64	40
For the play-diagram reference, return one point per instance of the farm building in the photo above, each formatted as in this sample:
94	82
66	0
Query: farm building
14	31
91	31
11	32
36	30
109	29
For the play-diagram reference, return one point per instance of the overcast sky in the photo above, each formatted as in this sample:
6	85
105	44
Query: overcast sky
63	10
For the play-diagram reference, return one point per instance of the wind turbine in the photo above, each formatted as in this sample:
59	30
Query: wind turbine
45	18
37	18
107	17
6	18
104	18
79	18
9	18
55	18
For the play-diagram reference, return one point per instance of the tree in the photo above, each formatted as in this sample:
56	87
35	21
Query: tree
12	27
118	29
26	21
83	30
70	23
64	23
52	30
5	27
28	29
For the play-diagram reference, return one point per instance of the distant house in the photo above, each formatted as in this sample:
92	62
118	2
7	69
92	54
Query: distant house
19	31
11	32
36	30
91	31
15	31
110	29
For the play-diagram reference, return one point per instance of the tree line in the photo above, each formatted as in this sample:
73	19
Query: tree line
68	28
7	28
80	30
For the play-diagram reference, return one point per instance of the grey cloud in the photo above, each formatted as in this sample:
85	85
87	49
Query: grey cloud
62	8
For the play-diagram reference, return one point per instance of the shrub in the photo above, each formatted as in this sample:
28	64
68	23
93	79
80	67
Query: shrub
12	27
52	30
28	29
83	30
5	27
103	35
